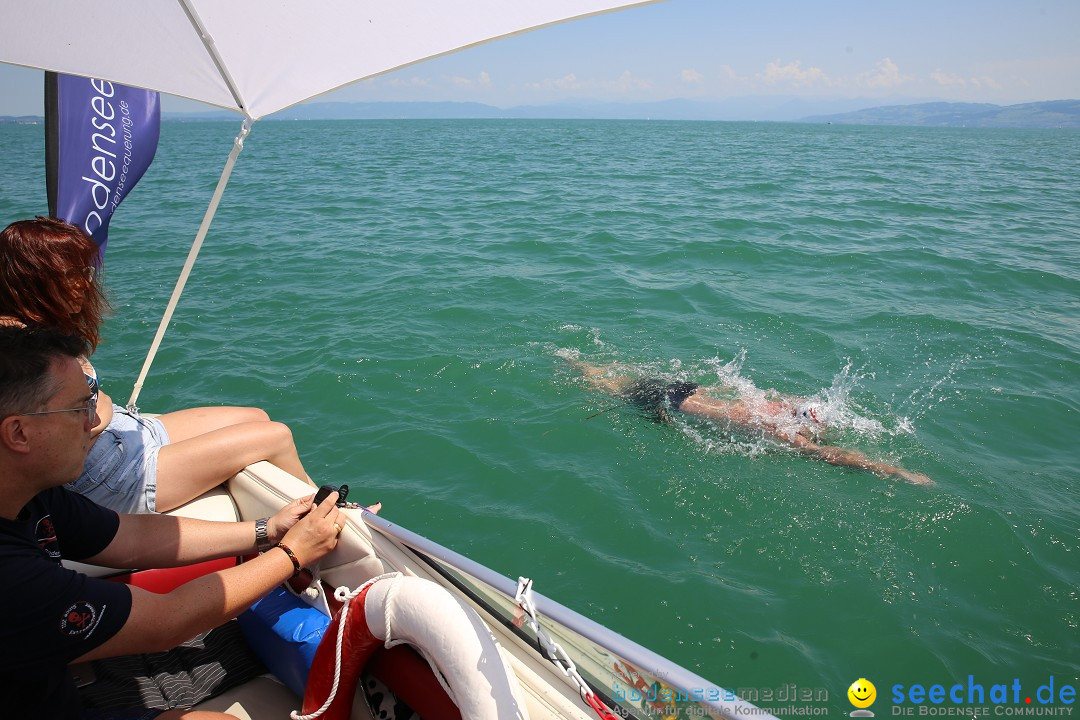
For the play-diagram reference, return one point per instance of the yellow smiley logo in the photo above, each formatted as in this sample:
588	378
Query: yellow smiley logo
862	693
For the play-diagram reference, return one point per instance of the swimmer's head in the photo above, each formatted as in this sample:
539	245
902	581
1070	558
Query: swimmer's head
808	412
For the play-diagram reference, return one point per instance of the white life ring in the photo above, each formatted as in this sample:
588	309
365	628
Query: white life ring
394	609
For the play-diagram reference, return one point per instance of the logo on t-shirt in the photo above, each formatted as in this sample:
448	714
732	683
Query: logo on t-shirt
45	532
79	619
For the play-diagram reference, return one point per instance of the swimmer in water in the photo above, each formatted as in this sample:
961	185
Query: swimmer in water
791	420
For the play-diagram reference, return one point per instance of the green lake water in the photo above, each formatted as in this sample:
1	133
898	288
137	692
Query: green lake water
403	295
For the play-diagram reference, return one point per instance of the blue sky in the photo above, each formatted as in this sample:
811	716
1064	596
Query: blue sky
991	51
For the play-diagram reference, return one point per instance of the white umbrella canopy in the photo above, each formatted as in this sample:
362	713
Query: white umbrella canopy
256	56
260	56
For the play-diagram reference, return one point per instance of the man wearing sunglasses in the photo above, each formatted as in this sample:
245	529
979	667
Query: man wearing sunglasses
52	616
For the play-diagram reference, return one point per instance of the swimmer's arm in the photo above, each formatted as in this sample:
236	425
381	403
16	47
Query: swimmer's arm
855	459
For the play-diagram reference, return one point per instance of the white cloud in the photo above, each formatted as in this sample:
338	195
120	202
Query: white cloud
625	83
407	82
947	79
887	74
728	72
629	81
794	74
483	80
952	80
691	77
566	82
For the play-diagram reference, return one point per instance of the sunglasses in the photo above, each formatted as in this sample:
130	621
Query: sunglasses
90	408
87	273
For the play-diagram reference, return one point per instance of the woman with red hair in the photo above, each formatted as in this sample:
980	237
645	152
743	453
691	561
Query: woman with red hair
49	277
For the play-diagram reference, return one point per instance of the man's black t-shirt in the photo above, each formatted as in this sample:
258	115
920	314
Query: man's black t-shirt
50	615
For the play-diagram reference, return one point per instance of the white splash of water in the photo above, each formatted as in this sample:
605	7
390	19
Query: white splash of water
835	407
922	400
841	410
570	354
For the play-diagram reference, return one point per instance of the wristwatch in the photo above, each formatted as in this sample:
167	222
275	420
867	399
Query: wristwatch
262	538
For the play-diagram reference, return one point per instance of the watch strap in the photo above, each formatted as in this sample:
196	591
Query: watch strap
262	537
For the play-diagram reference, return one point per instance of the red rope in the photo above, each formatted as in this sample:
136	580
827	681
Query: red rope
600	708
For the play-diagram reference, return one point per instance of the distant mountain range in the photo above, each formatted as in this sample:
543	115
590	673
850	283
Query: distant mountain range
754	108
852	111
1051	114
21	119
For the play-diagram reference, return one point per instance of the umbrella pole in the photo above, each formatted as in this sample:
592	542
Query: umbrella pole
238	145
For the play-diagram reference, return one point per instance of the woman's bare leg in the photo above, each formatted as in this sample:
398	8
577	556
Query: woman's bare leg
190	467
186	424
603	377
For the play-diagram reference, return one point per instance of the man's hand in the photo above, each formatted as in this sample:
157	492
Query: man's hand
316	533
283	520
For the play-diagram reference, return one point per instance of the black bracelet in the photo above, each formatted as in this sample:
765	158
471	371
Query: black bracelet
292	556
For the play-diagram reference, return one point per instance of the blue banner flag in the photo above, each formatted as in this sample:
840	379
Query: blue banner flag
99	139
